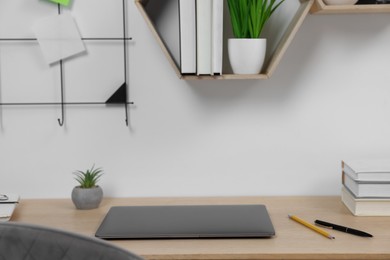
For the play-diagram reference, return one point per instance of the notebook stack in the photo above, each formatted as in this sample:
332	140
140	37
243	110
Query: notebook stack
8	203
366	187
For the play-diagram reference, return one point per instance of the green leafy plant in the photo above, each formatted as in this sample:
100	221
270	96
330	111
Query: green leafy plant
248	17
88	178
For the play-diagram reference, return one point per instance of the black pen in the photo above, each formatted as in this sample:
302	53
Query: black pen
342	228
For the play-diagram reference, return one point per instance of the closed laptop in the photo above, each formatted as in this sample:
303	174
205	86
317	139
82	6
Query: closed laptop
186	221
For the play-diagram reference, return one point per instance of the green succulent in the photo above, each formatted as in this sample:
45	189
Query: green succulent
248	17
88	178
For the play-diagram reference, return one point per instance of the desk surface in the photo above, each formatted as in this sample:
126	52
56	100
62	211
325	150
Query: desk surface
292	241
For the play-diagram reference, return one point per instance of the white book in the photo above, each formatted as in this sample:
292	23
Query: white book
204	37
7	206
9	198
364	189
187	36
217	36
365	206
368	169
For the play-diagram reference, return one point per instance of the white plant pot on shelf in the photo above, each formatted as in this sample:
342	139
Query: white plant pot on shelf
247	55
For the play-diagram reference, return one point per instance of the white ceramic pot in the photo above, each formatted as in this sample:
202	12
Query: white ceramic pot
340	2
247	55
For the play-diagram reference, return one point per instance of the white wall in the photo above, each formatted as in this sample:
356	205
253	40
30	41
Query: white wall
328	100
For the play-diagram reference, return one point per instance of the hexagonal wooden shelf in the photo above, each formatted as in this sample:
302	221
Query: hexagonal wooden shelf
269	66
319	7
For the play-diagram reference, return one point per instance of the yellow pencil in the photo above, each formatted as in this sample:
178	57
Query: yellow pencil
312	227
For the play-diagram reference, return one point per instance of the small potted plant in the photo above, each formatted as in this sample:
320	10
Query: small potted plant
248	17
88	194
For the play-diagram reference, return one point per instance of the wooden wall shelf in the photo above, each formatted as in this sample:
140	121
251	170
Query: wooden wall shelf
319	7
269	67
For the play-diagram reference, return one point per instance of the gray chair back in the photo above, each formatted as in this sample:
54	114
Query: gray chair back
29	242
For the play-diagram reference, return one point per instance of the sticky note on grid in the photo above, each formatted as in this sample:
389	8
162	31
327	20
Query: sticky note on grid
58	37
61	2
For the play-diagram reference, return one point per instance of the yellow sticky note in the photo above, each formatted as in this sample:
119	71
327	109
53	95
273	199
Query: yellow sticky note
61	2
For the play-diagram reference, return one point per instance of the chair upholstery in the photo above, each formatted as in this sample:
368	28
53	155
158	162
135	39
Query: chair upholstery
29	242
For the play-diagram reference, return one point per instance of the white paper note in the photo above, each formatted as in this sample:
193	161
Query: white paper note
58	37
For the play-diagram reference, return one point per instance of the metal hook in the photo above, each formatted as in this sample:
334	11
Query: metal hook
127	113
61	122
127	117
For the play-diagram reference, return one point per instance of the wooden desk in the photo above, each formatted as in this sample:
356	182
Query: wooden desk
292	241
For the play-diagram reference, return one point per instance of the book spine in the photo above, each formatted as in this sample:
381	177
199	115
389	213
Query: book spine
187	14
204	36
217	36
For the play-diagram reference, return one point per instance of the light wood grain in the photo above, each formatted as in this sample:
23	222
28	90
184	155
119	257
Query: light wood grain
292	240
319	7
225	76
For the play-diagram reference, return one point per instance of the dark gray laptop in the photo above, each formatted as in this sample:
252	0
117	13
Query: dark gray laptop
195	221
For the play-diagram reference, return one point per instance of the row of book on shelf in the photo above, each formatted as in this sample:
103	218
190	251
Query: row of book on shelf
201	36
366	187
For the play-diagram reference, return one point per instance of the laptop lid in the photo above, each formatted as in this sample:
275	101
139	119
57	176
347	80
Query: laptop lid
189	221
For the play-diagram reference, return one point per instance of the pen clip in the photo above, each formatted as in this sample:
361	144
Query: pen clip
323	224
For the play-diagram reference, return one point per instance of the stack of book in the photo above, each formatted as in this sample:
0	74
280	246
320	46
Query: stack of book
8	202
192	32
366	187
201	33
